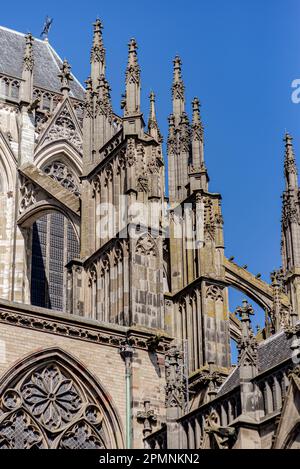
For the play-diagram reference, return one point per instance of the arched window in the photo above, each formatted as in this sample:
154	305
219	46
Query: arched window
54	244
49	400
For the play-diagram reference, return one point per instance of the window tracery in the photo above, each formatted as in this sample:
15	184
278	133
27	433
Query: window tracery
50	407
62	174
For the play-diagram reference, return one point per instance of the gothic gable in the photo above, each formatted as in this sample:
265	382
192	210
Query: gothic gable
63	126
288	430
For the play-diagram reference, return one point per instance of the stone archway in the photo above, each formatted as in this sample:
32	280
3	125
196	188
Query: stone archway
50	400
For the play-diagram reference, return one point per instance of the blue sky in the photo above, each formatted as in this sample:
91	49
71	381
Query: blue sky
239	57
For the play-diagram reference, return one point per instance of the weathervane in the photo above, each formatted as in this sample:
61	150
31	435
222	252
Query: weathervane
47	25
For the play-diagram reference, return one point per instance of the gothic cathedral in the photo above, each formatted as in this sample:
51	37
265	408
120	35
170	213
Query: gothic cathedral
115	326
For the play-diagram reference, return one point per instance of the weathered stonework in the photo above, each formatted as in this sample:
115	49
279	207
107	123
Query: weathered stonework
139	341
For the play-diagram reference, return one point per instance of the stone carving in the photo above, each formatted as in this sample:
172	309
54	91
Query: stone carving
103	103
49	407
133	69
146	246
62	174
64	129
213	292
178	86
220	437
197	126
209	379
247	344
277	279
92	275
88	107
171	143
65	76
175	381
51	397
130	152
155	161
28	56
147	417
18	431
185	134
142	184
30	321
96	185
81	436
97	51
28	192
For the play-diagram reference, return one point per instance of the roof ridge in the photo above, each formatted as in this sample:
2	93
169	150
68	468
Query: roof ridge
21	34
53	53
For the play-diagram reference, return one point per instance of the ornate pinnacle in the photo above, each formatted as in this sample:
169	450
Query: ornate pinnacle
28	55
247	344
65	77
245	311
290	168
97	51
171	136
177	91
88	103
177	69
103	99
89	85
133	69
132	52
152	122
197	126
131	103
289	163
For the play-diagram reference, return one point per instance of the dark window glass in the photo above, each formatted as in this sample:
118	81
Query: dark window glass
54	243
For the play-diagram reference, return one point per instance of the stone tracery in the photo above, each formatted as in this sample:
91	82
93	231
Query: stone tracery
50	407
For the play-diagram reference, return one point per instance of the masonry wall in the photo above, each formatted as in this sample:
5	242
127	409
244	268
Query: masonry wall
103	361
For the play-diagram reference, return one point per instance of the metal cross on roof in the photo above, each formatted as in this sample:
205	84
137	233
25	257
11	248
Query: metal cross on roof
47	25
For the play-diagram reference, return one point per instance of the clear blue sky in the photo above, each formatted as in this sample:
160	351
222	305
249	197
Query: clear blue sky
239	57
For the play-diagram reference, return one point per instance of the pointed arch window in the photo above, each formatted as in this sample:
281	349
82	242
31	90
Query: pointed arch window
54	244
49	402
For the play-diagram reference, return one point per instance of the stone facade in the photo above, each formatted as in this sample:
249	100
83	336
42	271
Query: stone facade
114	317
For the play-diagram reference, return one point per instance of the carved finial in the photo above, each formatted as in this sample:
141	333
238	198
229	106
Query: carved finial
171	135
97	51
27	72
132	52
196	120
245	311
177	90
103	106
247	344
152	122
177	69
290	167
197	143
65	77
132	99
88	83
97	57
28	54
196	110
147	417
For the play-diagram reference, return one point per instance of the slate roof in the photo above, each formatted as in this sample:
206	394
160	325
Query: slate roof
47	63
271	352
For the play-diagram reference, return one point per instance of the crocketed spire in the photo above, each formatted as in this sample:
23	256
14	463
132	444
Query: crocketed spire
97	54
